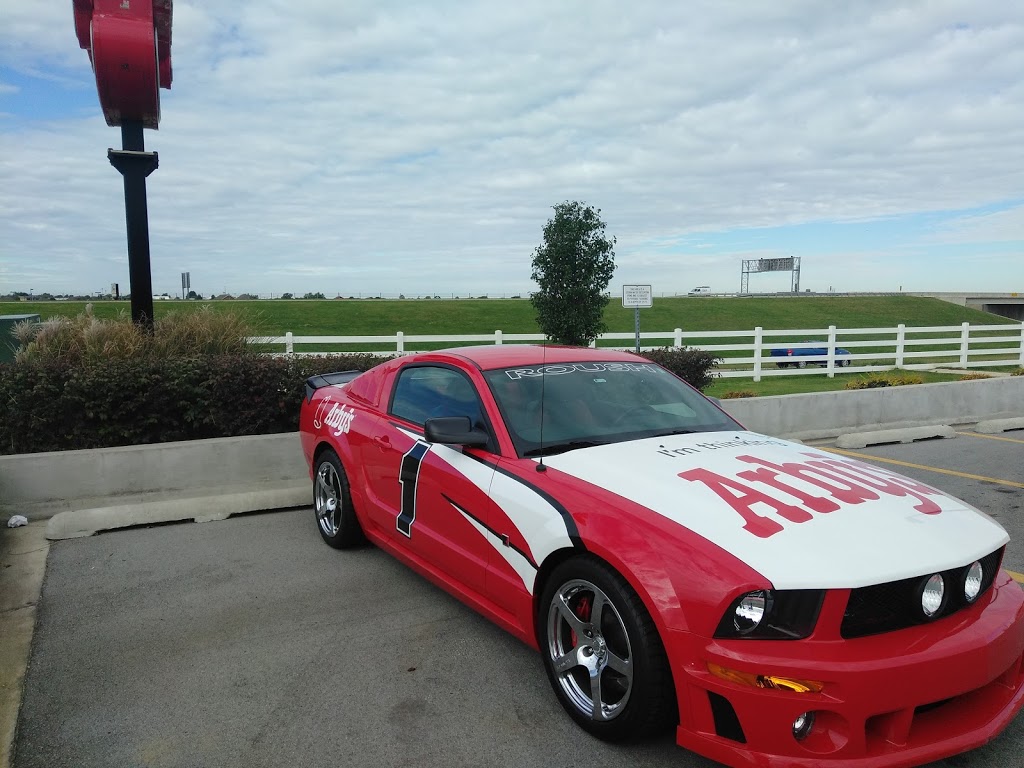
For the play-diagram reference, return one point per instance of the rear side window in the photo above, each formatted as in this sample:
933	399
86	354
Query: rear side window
425	392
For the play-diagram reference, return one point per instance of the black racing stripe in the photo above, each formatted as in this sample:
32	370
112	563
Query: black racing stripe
482	524
570	525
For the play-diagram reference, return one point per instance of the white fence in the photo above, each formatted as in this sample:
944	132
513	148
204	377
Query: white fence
747	354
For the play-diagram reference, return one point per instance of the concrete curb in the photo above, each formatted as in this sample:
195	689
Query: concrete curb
995	426
85	522
886	436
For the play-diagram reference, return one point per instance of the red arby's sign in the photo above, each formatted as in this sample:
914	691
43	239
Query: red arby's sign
129	45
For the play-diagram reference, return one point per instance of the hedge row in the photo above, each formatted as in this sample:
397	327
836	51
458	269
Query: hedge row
47	406
50	406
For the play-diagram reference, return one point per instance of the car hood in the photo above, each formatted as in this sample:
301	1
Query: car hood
802	517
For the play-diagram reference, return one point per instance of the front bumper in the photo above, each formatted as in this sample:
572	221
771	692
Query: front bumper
901	698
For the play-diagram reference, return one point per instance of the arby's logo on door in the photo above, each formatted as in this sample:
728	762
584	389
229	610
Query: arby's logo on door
334	415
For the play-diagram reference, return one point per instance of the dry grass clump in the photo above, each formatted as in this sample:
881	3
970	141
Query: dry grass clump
734	394
178	334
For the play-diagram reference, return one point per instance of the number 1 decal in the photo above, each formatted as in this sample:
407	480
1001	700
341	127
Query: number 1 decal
408	477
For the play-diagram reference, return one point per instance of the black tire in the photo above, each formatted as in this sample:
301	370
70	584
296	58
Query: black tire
622	652
801	364
844	363
782	365
332	503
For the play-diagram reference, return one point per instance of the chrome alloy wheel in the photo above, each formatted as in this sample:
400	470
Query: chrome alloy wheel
328	499
589	650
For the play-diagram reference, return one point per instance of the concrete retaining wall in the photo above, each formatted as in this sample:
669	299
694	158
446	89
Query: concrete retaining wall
43	484
827	414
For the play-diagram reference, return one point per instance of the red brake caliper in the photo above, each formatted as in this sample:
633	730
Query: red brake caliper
583	614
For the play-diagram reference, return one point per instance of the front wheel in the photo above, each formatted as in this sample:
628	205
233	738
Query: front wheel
332	503
801	364
602	652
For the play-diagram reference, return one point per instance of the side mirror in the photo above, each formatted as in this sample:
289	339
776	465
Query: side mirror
715	400
454	430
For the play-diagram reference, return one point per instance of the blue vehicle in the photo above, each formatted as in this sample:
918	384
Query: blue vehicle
793	353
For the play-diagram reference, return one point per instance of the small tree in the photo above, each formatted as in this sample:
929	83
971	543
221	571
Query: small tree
573	267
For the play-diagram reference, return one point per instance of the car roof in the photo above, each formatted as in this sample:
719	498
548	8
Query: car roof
507	355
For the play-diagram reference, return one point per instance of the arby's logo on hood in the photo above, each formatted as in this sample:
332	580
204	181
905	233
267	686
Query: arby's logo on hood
837	483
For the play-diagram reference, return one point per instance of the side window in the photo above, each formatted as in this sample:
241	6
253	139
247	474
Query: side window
425	392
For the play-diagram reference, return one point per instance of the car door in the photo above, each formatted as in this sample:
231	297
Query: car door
432	499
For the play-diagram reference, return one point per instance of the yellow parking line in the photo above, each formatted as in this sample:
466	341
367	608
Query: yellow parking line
1018	577
969	476
991	437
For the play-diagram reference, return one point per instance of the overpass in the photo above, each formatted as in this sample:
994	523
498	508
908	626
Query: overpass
1009	305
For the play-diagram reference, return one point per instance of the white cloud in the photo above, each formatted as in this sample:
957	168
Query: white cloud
410	147
999	227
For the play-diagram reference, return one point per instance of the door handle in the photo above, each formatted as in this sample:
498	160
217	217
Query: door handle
382	440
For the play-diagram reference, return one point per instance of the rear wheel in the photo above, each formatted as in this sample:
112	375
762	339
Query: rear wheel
602	652
801	364
332	503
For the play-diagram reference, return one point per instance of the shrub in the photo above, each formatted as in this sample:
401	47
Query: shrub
178	334
49	405
692	365
875	380
973	376
1018	372
737	393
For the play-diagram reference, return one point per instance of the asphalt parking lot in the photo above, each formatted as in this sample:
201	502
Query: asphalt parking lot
248	642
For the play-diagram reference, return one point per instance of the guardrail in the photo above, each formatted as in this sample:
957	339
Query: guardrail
747	354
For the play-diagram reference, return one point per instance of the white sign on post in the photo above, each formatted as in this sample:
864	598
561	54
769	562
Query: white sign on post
637	296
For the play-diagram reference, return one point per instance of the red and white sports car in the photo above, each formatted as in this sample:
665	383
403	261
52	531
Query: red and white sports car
779	604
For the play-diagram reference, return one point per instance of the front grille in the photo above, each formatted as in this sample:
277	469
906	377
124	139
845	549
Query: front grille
896	605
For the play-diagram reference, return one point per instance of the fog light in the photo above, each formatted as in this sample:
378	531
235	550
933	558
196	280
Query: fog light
933	595
972	582
803	725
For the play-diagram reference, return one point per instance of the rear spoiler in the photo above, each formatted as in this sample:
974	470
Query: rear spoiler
313	383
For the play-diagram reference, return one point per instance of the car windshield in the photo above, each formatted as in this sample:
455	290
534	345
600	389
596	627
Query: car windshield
596	403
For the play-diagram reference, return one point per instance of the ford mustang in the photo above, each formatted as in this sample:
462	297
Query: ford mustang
777	604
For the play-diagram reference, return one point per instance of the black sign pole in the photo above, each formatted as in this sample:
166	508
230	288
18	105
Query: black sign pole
135	164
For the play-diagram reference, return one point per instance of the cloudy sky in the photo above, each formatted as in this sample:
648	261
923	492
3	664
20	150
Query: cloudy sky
417	147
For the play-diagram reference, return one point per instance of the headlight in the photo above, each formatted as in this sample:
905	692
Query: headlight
750	611
772	614
933	595
973	580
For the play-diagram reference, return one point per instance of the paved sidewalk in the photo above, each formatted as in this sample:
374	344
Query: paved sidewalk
22	566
